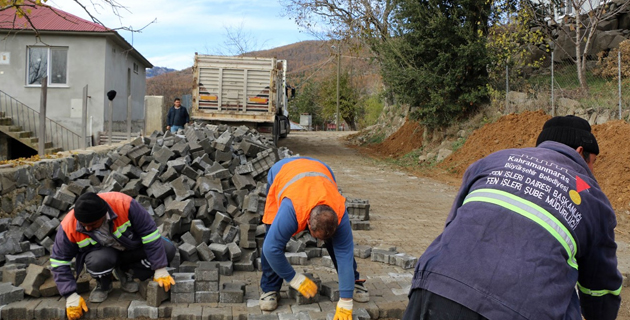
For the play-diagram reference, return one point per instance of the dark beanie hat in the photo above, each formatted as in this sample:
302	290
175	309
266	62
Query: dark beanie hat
569	130
90	207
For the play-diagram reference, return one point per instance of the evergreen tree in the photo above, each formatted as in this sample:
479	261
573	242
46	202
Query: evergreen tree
436	61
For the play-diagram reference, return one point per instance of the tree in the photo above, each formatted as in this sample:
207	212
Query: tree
580	28
367	21
348	99
437	60
238	41
307	101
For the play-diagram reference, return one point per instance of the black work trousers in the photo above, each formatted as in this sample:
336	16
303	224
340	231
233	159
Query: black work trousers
101	263
426	305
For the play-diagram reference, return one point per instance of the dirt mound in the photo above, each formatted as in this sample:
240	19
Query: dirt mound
511	131
403	141
612	167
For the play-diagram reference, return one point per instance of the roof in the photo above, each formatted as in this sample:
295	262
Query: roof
49	19
46	19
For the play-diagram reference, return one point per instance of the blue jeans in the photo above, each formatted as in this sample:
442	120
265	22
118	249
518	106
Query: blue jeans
271	281
175	128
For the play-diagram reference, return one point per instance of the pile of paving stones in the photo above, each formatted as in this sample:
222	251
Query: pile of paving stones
205	189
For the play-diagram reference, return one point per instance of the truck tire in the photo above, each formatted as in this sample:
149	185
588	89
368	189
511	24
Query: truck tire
287	127
276	131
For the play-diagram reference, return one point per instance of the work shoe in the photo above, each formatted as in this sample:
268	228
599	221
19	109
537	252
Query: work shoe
269	301
361	293
99	294
126	281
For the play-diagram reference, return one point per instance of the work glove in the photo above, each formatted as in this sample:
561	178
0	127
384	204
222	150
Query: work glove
163	278
75	306
303	285
344	310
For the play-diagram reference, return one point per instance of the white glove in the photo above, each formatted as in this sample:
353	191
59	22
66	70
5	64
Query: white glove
303	285
73	300
345	304
161	273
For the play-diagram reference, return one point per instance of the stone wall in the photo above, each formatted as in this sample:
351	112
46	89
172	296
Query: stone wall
22	188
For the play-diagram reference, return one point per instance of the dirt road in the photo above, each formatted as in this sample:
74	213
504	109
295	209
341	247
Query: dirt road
406	211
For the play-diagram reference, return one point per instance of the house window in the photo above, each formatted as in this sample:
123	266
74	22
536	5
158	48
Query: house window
47	61
135	68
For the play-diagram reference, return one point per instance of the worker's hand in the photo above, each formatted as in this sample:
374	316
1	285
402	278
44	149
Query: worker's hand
303	285
163	278
344	310
168	127
75	306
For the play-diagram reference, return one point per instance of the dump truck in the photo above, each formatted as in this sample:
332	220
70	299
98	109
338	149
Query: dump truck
241	90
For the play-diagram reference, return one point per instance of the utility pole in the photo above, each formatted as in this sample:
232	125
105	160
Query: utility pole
338	72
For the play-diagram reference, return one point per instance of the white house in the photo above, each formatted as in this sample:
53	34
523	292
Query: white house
73	53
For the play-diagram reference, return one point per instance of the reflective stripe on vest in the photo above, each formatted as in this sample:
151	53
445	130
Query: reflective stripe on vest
120	230
300	176
531	211
54	263
598	293
151	237
86	242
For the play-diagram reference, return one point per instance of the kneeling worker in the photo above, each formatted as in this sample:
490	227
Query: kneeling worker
303	194
110	233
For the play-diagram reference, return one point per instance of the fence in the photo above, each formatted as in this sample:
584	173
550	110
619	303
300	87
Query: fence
28	119
550	86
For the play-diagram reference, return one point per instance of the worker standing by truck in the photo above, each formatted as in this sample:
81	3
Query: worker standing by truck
302	195
526	227
177	116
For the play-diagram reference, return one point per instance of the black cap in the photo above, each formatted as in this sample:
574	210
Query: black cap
569	130
111	94
90	207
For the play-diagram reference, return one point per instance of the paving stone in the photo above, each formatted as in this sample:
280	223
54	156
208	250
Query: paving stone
50	308
218	313
357	224
9	293
206	184
199	231
188	252
405	261
314	307
192	312
49	288
23	258
230	234
220	251
188	238
20	309
294	316
139	308
362	252
13	275
163	155
113	307
295	246
207	274
149	177
234	252
183	286
169	175
188	267
153	293
206	296
35	277
262	317
370	307
246	263
182	188
313	252
330	289
226	268
184	208
207	286
183	297
299	258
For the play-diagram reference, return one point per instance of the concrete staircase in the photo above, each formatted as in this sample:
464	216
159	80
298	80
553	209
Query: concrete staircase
25	137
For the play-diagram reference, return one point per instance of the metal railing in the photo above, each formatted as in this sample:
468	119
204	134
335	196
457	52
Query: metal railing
27	118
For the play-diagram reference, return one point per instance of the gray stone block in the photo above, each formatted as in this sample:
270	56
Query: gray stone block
23	258
50	308
183	286
207	275
359	224
206	184
183	297
231	296
362	252
262	317
13	275
9	293
193	312
313	252
327	262
35	277
184	208
226	268
149	177
188	238
299	258
49	288
199	231
141	309
212	313
204	252
220	251
330	289
188	267
295	246
188	252
234	252
206	296
207	286
405	261
182	188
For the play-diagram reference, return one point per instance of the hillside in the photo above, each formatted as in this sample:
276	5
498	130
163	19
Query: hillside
312	60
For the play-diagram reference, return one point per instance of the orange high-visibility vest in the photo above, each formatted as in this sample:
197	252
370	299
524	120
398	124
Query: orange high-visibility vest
119	202
307	183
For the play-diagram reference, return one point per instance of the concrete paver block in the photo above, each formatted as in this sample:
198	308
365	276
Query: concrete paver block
35	277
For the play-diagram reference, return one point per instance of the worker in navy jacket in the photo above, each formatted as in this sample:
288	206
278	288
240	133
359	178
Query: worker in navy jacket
303	194
177	116
527	228
111	233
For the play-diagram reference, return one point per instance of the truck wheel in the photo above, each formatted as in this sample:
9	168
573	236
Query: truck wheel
276	131
285	123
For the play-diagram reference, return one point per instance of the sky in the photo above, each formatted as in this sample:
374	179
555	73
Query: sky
182	28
